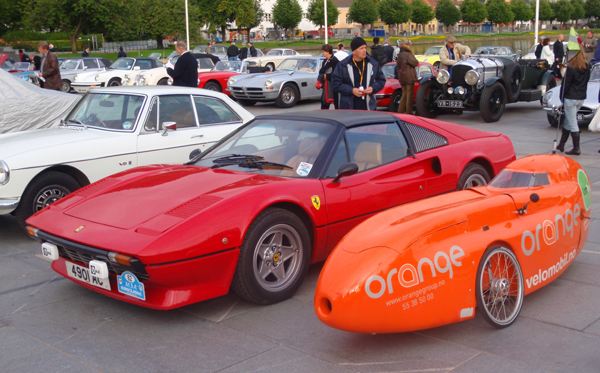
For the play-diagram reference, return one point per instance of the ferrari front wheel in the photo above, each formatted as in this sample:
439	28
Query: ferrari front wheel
499	288
274	257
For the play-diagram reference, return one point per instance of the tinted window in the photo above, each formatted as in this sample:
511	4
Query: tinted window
212	110
205	63
374	145
176	109
90	64
144	64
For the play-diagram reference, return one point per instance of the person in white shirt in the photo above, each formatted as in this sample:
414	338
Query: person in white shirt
547	53
341	54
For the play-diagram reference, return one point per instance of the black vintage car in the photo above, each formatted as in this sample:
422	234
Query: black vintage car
484	84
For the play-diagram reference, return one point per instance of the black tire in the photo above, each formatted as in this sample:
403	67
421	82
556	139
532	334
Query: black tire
270	66
492	102
436	66
512	76
65	86
552	120
288	96
395	101
263	258
213	86
163	81
473	175
426	95
246	102
42	191
114	82
499	289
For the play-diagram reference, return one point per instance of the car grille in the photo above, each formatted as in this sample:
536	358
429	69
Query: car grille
458	75
247	93
83	254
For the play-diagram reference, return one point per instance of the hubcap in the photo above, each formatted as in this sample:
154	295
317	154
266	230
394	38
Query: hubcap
287	95
277	257
48	196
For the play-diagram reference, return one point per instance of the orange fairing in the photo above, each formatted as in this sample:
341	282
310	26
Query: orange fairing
433	262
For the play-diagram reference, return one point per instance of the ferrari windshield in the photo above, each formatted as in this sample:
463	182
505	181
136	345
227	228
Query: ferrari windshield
122	64
299	64
271	147
433	50
107	111
515	179
229	66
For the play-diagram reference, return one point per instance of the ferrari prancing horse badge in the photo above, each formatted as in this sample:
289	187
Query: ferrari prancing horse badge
316	202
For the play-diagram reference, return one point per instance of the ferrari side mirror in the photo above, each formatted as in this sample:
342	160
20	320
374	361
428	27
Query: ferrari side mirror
346	169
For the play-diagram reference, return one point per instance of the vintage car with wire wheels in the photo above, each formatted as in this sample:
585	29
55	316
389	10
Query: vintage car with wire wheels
432	56
273	58
73	66
159	76
389	96
252	212
217	78
434	262
554	108
114	75
110	130
293	81
485	85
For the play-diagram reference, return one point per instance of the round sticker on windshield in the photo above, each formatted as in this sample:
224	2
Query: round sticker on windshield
304	169
127	125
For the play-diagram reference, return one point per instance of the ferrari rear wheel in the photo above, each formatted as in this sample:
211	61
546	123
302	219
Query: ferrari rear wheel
274	257
499	288
474	175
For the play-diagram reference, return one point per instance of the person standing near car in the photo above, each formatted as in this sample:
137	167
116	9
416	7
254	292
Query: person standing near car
358	78
589	45
121	53
547	53
575	92
559	55
378	53
86	51
185	73
243	52
341	54
388	49
452	52
232	52
407	75
325	74
252	50
208	49
49	71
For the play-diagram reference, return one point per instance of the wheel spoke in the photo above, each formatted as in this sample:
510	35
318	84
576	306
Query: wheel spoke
263	270
287	252
279	272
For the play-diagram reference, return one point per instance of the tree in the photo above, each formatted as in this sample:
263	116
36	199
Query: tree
218	14
577	11
245	17
287	14
167	17
259	15
562	10
394	12
363	12
11	15
447	13
521	10
421	12
592	8
546	12
473	11
316	13
499	12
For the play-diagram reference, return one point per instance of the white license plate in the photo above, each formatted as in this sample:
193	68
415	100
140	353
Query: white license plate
83	274
579	116
450	103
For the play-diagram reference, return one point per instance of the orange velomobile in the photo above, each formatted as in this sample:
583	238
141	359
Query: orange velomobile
429	263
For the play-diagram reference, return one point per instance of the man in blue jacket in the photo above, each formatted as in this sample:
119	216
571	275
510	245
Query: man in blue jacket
358	79
185	73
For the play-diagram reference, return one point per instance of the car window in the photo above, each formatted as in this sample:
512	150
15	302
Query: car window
176	109
205	63
288	53
212	111
143	64
150	124
514	179
370	146
101	63
111	111
90	64
425	71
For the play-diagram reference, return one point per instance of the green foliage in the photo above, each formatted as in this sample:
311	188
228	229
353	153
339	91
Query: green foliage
562	10
421	12
393	12
499	11
11	15
578	11
473	11
363	12
217	14
316	12
521	10
447	13
592	8
20	35
287	13
245	17
546	12
259	14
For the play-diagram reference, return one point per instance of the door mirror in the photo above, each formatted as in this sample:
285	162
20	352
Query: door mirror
169	126
534	197
346	169
194	153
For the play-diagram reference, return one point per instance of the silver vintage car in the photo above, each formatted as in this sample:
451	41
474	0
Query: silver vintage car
294	80
552	104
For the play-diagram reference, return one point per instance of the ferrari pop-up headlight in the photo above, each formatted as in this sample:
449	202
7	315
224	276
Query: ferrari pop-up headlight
443	76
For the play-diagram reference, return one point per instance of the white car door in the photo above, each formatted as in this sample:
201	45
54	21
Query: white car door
216	120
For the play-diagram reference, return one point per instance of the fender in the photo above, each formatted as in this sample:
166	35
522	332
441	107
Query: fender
493	80
433	78
294	83
544	80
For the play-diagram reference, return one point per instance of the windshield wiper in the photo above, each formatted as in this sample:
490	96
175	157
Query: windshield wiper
235	159
260	164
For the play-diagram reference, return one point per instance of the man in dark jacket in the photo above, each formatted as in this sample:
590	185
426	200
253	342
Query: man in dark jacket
121	53
185	73
253	52
389	50
232	52
378	53
243	52
49	71
357	79
407	75
559	54
86	51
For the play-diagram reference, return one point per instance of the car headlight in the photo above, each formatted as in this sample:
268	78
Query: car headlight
443	76
460	91
268	82
547	97
426	60
76	78
450	90
4	173
231	81
472	77
97	78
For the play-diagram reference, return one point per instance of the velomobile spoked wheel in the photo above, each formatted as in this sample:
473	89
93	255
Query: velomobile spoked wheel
499	288
273	258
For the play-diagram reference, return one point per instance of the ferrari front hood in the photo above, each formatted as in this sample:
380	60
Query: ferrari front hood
177	191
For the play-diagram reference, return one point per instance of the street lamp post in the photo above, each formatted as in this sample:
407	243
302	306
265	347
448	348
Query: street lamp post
187	25
326	33
537	18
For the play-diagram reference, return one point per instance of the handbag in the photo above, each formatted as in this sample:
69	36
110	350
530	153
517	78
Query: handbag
595	123
328	92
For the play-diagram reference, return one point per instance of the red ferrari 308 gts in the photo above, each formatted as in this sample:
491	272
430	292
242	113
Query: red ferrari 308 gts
389	96
216	79
257	208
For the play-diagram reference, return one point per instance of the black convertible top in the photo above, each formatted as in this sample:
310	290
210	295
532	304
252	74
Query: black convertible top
348	118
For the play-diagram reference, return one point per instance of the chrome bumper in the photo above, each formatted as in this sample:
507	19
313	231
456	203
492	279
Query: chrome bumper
8	205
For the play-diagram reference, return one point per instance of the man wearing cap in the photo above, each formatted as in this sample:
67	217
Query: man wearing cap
358	78
407	75
452	53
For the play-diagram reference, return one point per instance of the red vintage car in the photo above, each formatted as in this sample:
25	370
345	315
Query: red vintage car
216	79
389	96
252	212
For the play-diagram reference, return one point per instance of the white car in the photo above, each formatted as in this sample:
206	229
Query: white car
110	130
114	75
159	76
273	58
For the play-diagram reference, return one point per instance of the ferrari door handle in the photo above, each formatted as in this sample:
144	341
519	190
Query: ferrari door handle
193	137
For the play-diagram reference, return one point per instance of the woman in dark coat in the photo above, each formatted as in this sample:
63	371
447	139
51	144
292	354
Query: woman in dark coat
327	71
